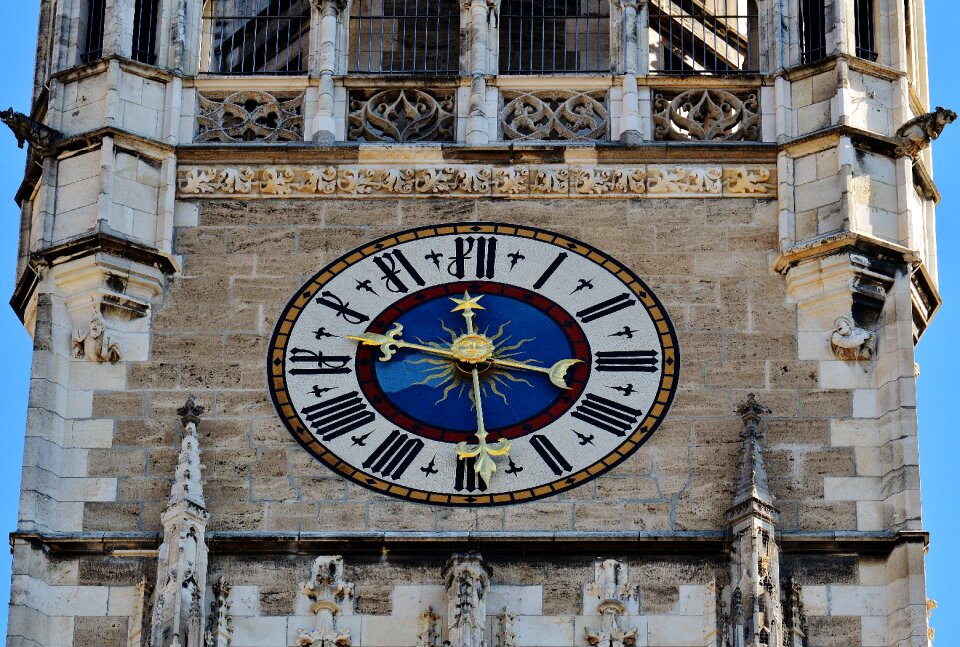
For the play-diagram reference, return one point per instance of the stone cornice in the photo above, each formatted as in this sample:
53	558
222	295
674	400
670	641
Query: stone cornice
442	543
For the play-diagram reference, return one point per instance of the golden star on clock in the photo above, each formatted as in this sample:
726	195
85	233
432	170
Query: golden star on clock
467	303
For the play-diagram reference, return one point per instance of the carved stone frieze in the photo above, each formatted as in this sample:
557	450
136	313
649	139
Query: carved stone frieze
402	115
249	116
93	343
849	342
562	181
555	115
706	115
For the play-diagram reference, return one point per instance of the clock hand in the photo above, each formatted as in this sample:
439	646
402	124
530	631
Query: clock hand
557	372
390	342
485	465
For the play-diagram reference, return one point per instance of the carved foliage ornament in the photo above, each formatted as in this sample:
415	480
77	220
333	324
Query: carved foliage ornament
402	115
250	116
479	180
706	115
554	115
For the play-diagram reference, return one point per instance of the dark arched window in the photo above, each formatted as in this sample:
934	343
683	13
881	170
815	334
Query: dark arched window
404	37
813	30
257	36
92	28
704	36
145	31
554	36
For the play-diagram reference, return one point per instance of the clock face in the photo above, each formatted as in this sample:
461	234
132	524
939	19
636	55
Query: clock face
473	364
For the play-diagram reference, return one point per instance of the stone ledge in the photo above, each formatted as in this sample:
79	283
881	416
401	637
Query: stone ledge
442	543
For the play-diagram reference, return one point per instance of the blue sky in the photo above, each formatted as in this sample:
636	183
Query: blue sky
937	353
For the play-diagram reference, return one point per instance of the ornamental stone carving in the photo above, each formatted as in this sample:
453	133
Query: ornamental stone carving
330	596
706	115
249	116
919	132
93	343
429	635
219	631
614	596
27	130
468	584
851	343
402	115
469	180
506	636
555	115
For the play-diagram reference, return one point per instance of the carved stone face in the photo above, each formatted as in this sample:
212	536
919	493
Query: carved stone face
844	327
96	328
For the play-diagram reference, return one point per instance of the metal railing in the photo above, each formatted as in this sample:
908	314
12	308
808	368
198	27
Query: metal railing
93	37
864	25
813	30
404	37
554	36
269	37
704	37
145	31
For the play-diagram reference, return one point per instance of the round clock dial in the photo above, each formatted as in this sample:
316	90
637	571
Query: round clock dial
474	364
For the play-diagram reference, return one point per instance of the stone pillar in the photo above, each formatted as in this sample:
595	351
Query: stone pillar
630	126
468	583
118	28
182	567
325	23
480	36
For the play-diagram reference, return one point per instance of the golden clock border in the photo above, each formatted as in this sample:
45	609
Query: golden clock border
281	335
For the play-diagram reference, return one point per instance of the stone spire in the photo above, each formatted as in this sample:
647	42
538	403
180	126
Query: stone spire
468	582
753	611
182	558
752	482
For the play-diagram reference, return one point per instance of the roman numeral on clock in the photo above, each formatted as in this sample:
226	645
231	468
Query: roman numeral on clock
550	454
483	249
606	414
337	416
630	361
608	307
394	455
547	273
391	265
467	477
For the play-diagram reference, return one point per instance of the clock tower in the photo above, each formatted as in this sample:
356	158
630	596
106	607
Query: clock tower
481	323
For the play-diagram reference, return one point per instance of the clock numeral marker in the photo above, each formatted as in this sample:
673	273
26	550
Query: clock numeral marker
607	415
394	455
547	273
391	275
337	416
467	477
550	454
486	256
607	307
637	361
335	303
325	364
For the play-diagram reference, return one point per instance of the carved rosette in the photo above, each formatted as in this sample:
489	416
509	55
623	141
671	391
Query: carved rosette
555	115
559	181
402	115
249	116
711	115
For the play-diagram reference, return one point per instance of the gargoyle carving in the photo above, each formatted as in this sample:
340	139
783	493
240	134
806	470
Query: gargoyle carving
916	134
26	129
849	342
93	343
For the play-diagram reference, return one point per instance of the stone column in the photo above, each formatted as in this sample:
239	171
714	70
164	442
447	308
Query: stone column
480	36
118	28
630	126
326	17
182	567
